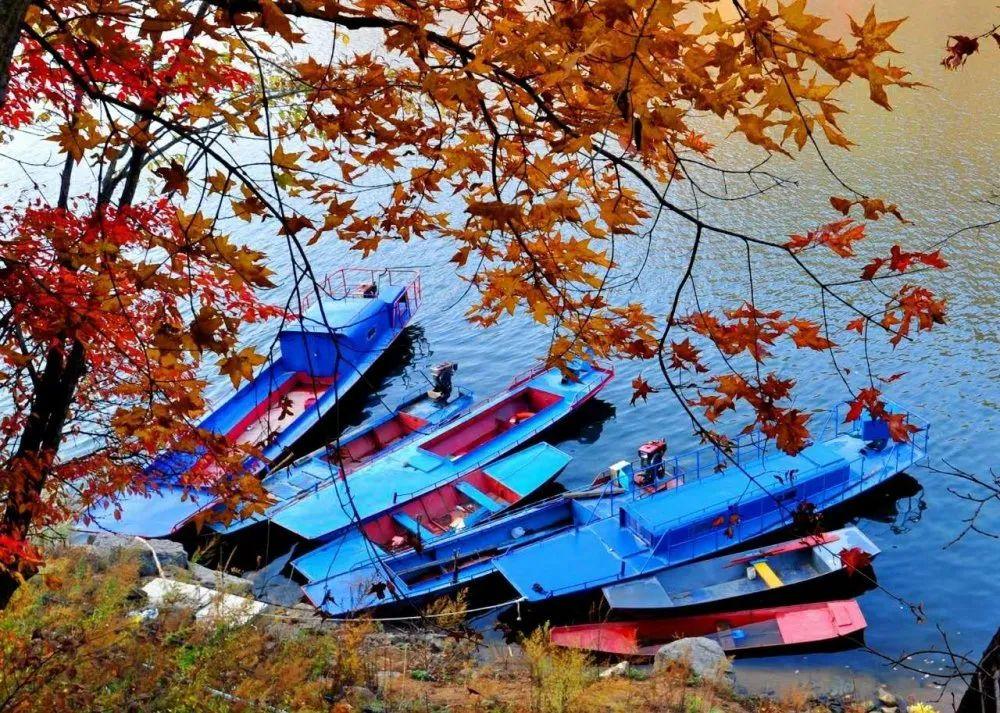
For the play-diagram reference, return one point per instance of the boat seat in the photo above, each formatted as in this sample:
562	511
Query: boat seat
412	525
478	496
473	518
765	572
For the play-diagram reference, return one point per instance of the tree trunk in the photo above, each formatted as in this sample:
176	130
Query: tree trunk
11	16
64	367
984	693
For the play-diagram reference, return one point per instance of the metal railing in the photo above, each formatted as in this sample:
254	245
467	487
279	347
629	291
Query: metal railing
349	281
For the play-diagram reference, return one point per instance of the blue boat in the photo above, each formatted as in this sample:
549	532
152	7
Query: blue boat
690	508
754	577
532	403
323	354
643	518
418	413
347	567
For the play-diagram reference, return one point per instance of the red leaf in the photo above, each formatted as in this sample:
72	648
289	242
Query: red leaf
854	559
843	205
856	325
958	50
641	389
175	179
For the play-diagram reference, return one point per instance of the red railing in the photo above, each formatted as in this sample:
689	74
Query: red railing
352	281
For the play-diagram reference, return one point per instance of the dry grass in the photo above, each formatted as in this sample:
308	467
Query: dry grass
69	643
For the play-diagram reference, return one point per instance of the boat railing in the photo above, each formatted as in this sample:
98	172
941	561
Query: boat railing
761	515
541	367
863	471
349	281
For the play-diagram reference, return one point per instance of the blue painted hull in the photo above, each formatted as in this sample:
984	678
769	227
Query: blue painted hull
579	542
491	429
350	574
322	356
720	581
357	448
692	517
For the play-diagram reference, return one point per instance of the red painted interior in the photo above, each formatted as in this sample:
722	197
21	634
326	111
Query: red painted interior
301	391
436	511
362	448
487	425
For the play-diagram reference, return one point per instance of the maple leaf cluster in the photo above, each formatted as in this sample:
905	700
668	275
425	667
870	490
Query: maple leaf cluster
556	123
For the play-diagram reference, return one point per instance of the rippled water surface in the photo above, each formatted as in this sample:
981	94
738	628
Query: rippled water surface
936	155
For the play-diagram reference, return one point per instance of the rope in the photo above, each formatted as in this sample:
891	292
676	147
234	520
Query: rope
156	559
413	618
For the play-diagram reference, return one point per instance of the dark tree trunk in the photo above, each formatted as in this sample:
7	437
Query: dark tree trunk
985	689
11	16
64	367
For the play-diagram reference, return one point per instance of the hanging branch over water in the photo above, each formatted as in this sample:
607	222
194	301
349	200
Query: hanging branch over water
564	127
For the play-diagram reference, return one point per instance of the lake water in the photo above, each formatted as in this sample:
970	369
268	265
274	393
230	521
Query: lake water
936	155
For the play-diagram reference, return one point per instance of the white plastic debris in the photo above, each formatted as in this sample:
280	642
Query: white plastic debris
210	604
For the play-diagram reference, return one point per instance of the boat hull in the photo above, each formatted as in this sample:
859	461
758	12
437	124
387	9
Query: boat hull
643	535
766	575
321	357
487	432
737	632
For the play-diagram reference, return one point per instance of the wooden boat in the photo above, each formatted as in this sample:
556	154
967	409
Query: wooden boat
532	403
693	509
736	632
341	572
417	414
335	341
749	577
609	533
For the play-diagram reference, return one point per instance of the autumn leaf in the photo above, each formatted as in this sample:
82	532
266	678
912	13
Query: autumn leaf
843	205
240	366
807	336
294	223
839	236
174	177
641	389
856	325
959	49
854	559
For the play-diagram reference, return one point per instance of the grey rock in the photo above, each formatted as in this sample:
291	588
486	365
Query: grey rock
360	697
619	669
885	697
219	580
890	709
107	545
704	656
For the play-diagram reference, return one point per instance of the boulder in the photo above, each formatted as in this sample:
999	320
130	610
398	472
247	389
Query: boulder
361	698
885	697
619	669
220	581
703	656
108	545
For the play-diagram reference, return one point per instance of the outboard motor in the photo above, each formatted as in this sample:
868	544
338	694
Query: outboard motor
441	380
650	461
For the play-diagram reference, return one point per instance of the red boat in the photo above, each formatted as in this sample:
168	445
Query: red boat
736	631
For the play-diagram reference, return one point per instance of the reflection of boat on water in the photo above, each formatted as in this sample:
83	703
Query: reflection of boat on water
645	519
766	573
736	632
490	429
339	336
